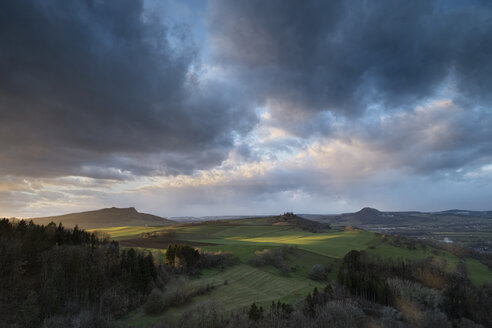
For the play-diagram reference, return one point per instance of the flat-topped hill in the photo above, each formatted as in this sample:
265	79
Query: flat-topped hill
105	218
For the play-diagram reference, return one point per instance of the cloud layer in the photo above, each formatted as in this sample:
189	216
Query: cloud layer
350	56
87	86
250	106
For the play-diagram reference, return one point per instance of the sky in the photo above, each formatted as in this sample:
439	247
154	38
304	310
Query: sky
219	107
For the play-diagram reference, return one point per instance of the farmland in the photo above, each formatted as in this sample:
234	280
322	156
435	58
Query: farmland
238	286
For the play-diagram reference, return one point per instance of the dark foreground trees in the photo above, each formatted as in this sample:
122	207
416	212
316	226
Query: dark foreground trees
49	271
181	256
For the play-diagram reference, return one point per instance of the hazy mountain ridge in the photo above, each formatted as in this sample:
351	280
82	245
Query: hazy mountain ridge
369	215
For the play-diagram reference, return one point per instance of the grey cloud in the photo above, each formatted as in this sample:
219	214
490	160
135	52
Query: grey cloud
334	68
103	84
441	138
12	199
345	56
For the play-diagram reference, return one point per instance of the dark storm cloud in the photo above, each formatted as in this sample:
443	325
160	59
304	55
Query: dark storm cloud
92	85
335	68
345	56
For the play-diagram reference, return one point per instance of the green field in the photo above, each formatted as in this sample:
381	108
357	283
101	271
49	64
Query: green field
478	273
125	232
247	284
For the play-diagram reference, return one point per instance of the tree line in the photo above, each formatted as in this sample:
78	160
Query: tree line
50	271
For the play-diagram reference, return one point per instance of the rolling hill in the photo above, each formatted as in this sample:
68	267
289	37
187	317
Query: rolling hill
471	228
105	218
286	219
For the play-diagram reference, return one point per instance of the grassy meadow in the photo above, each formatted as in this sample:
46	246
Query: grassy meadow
124	232
238	286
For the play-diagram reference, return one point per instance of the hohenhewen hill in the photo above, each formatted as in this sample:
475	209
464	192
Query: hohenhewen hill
370	215
366	216
105	218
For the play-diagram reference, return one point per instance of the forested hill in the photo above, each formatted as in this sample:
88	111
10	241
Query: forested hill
106	217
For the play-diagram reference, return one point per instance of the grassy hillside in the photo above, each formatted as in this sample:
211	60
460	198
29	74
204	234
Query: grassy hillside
124	232
240	285
244	240
106	218
236	287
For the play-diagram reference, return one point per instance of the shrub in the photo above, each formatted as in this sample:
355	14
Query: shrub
339	314
466	323
203	315
434	319
415	292
115	301
155	302
217	259
30	310
275	257
318	272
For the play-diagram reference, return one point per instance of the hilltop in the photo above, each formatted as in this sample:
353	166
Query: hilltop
286	219
369	215
105	218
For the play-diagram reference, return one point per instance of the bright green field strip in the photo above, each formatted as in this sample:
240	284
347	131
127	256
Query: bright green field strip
247	284
246	231
198	231
126	232
388	251
335	244
302	261
477	272
342	244
215	232
328	244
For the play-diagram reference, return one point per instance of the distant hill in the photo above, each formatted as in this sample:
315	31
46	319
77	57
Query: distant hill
470	228
105	218
368	216
294	220
287	219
